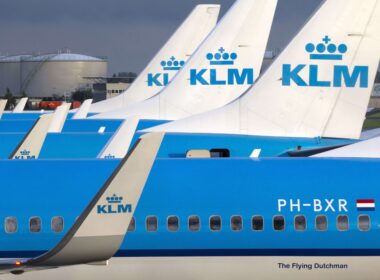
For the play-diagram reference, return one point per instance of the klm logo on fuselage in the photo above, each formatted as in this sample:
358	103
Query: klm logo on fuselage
114	205
25	154
342	75
212	76
162	79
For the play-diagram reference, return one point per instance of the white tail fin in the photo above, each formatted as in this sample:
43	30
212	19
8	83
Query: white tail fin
20	105
179	48
30	146
319	86
3	103
83	110
59	118
118	145
224	66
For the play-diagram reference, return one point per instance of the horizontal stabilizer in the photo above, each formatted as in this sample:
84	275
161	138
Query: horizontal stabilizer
99	230
20	105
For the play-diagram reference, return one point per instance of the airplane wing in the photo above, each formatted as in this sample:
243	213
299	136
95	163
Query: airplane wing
96	235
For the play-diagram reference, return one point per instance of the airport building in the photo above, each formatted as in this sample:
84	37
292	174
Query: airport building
49	74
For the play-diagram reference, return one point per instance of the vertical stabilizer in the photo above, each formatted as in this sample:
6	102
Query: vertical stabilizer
163	67
319	86
3	103
224	66
59	118
20	105
83	110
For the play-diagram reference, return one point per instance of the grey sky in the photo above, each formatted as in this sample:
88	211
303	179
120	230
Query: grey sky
128	32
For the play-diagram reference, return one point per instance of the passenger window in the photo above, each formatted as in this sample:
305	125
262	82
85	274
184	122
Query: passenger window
364	223
173	223
220	153
10	225
194	223
151	223
236	223
215	223
300	223
279	223
57	224
132	225
321	223
35	224
257	223
342	222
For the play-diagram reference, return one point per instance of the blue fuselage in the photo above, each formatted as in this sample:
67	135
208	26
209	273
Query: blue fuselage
205	188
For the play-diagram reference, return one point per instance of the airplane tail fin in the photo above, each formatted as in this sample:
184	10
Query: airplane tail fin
118	145
319	86
223	67
3	103
83	110
60	115
177	50
20	105
31	145
97	234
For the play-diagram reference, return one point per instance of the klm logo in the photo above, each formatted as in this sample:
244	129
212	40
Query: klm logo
162	79
342	75
114	205
212	76
25	154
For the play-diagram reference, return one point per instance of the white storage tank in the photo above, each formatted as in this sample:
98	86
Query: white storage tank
10	73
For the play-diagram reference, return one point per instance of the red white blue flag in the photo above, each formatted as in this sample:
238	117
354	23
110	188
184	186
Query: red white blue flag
365	204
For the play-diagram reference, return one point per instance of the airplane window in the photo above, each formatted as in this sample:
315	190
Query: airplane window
132	225
10	225
236	223
57	224
321	223
257	223
279	223
194	223
342	222
151	223
364	223
215	223
35	224
173	223
300	223
220	153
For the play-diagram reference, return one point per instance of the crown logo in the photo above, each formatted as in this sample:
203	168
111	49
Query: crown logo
25	153
222	57
172	64
326	50
114	199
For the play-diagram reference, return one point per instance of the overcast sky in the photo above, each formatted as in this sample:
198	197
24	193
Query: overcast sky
128	32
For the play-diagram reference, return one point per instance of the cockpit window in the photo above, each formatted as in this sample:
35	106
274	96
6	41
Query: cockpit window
11	225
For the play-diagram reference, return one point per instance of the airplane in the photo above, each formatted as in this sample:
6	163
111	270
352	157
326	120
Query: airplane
239	41
280	116
94	237
180	46
211	217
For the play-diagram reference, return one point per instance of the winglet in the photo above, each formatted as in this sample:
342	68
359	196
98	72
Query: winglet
83	110
20	105
118	145
30	146
98	233
59	118
3	103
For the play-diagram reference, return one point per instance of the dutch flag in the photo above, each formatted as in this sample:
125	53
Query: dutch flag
365	204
